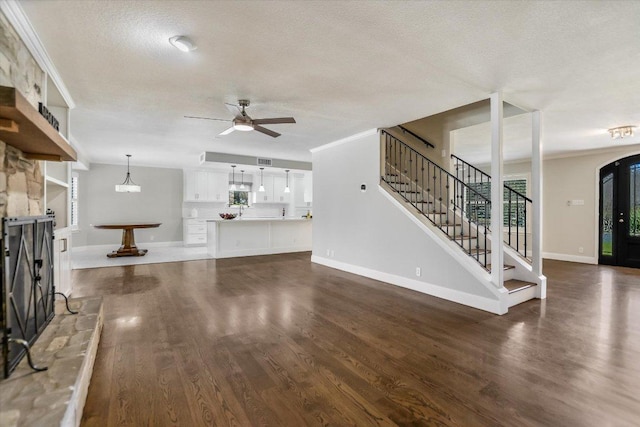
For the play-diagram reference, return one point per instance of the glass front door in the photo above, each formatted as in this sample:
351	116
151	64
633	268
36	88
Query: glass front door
620	213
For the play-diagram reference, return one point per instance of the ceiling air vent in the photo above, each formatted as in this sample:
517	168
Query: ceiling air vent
264	162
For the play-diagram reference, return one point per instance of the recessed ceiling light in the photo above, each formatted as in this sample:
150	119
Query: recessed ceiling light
183	43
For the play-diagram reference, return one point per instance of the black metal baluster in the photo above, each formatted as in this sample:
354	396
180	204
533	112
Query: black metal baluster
510	221
525	228
517	227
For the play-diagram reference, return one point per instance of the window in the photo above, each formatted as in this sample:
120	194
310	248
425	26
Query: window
513	206
74	201
239	198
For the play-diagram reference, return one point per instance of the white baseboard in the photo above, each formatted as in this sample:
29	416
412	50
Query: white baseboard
115	246
572	258
482	303
259	251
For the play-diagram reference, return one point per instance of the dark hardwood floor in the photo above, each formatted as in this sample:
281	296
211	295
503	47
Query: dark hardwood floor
280	341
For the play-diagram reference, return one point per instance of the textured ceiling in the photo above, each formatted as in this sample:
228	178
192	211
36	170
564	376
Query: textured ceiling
338	67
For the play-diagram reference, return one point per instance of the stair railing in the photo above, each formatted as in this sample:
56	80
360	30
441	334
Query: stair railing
437	194
516	205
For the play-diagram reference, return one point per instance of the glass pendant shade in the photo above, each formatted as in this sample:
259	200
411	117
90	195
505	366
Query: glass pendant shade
128	186
261	188
286	189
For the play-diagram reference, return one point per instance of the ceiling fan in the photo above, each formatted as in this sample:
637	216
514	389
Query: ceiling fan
244	123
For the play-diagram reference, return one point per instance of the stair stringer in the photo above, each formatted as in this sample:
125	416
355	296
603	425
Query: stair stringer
523	270
451	248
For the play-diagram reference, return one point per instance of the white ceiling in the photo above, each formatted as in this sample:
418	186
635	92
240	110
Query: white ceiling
338	67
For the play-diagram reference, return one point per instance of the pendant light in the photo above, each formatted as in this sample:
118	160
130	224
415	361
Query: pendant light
242	184
261	189
286	189
128	186
233	180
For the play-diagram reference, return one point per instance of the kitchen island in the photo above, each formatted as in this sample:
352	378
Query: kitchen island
257	236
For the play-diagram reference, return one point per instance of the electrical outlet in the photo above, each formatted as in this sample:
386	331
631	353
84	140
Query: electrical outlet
328	252
331	253
418	271
152	237
580	250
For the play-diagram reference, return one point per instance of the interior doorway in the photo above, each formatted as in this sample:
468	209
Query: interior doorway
619	241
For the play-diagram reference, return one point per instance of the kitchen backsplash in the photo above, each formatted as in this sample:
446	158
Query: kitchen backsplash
265	210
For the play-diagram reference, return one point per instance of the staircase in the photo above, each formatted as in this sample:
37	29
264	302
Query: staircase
459	206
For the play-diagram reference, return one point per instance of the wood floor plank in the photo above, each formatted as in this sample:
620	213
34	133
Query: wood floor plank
279	341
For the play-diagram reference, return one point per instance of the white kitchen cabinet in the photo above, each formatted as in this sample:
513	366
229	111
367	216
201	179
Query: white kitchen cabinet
194	232
218	187
265	196
279	184
308	188
205	186
195	186
302	191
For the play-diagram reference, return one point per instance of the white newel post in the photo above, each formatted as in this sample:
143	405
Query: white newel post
536	197
497	212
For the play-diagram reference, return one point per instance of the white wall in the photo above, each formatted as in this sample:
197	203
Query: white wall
159	201
365	231
566	229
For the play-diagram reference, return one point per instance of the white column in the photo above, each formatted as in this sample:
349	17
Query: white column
536	197
536	193
497	248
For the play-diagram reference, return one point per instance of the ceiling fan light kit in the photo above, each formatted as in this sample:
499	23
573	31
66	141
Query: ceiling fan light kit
182	43
244	123
128	186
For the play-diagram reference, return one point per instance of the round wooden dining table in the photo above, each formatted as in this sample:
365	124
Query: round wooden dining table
128	247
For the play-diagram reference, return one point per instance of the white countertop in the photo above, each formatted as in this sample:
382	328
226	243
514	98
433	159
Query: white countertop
236	220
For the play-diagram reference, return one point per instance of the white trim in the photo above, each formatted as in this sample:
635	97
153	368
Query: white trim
114	246
497	186
523	295
20	22
571	258
351	138
475	301
257	252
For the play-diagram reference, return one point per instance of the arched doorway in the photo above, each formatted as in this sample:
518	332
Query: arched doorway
619	241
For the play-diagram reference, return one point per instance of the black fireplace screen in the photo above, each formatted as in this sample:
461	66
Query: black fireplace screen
27	290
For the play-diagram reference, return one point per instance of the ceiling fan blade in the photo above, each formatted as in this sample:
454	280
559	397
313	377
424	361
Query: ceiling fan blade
227	132
234	109
265	131
206	118
274	121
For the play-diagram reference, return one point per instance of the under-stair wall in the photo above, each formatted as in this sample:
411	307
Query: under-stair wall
364	231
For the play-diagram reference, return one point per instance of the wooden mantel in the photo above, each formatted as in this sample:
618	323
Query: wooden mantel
22	126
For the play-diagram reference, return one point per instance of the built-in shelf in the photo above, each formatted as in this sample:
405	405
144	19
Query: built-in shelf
51	180
23	127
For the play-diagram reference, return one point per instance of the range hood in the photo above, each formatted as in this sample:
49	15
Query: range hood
209	157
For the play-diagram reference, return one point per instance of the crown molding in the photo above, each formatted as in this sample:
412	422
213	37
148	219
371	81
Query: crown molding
16	17
345	140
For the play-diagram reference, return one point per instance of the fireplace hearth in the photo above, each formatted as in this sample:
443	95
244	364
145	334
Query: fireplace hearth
27	289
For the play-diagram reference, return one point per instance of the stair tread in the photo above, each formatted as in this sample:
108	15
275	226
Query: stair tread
505	267
515	285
